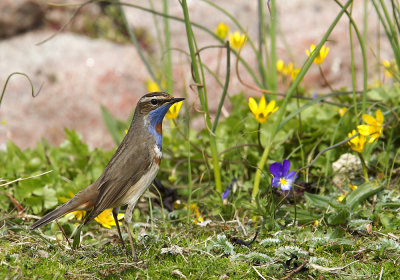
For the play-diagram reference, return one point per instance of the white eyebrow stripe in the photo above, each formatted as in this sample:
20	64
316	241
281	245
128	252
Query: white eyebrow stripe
149	98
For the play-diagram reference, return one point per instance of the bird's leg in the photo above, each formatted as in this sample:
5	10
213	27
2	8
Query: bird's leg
127	220
115	215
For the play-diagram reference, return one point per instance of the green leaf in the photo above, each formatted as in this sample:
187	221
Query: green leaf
381	205
303	216
78	147
318	200
77	237
114	126
339	217
49	197
356	197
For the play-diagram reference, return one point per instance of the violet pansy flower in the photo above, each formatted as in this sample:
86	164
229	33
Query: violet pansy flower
281	175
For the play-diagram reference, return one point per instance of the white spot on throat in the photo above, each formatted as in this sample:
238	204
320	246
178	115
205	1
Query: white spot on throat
157	151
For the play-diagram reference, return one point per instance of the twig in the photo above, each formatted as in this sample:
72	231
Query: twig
30	82
81	5
63	232
325	150
22	179
201	251
259	274
295	270
380	275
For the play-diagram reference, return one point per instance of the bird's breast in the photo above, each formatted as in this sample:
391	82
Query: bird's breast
157	154
137	190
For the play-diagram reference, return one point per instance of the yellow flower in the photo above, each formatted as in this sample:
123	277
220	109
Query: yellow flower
194	208
173	111
373	128
316	223
152	86
375	84
78	215
261	111
294	73
280	65
237	40
341	111
321	56
222	30
390	68
358	142
352	187
106	219
340	198
288	70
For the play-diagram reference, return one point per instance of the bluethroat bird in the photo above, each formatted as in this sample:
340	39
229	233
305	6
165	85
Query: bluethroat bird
130	171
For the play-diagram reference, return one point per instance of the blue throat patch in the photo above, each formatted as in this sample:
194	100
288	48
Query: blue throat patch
156	116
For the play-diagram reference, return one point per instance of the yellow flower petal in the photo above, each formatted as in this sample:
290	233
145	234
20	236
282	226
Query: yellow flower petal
261	105
352	187
237	40
357	143
342	111
222	30
321	55
253	105
105	218
364	130
271	106
379	117
369	119
340	198
173	111
280	65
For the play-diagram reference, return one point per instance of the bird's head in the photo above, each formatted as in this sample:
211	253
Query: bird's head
156	104
153	107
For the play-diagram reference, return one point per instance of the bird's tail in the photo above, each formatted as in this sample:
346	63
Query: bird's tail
83	200
49	217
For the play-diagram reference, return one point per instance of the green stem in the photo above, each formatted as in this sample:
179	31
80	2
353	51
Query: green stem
225	90
187	136
282	109
261	39
168	64
353	67
133	38
324	78
364	167
271	64
151	214
259	137
364	59
202	95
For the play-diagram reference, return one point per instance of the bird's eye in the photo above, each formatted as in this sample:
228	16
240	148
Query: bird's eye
154	101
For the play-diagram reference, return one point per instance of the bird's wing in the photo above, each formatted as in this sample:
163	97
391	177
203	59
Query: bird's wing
125	168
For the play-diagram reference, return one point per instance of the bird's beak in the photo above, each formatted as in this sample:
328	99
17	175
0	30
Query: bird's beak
174	100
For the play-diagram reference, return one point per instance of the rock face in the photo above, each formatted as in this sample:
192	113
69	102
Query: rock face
76	74
18	16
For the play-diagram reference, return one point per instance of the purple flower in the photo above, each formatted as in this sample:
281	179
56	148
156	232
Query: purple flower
226	192
228	189
282	177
